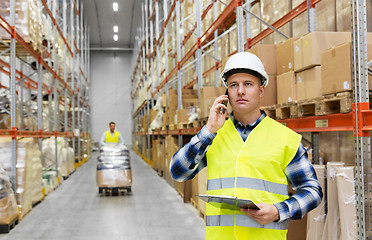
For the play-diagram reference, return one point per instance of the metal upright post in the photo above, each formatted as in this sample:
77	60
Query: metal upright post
216	75
21	97
178	42
157	41
146	77
165	8
13	94
199	58
363	175
55	68
73	67
79	74
240	27
179	83
149	54
64	19
39	103
248	6
311	16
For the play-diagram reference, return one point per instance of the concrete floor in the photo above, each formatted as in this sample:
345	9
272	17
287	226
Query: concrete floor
76	211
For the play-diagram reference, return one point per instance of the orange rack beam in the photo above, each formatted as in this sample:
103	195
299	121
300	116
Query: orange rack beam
329	123
58	28
140	108
282	21
40	134
29	49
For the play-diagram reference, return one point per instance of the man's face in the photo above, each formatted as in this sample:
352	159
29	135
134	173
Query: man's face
245	92
112	127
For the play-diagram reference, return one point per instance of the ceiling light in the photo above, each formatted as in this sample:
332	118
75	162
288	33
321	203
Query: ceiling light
116	29
116	37
115	6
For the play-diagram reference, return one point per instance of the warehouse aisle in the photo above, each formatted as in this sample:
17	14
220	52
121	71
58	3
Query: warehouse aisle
75	211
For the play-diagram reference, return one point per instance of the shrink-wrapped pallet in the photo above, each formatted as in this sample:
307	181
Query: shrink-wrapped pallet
347	202
8	204
332	223
27	153
113	167
27	21
24	190
37	175
49	155
316	217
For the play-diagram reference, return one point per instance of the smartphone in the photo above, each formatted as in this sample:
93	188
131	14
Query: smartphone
222	110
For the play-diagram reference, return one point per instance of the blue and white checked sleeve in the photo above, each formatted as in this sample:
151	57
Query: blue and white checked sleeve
190	159
308	194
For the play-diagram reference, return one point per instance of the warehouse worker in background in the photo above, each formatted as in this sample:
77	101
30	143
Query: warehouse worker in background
111	136
249	156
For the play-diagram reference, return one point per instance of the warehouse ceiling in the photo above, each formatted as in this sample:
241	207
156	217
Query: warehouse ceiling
101	19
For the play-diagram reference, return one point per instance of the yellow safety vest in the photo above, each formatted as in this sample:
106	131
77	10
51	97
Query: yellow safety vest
114	138
254	170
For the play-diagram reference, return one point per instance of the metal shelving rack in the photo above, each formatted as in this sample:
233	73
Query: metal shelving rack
61	91
359	120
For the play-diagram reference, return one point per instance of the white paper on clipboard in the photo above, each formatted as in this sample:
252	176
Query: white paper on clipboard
228	201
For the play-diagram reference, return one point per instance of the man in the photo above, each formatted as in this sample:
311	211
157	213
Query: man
249	156
111	136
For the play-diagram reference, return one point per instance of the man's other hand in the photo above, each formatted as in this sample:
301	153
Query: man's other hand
267	213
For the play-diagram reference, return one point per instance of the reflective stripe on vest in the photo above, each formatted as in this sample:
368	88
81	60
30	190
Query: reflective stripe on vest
244	182
243	221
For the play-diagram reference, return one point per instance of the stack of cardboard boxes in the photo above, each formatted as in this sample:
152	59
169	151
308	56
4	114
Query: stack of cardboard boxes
337	67
267	53
299	65
172	114
307	60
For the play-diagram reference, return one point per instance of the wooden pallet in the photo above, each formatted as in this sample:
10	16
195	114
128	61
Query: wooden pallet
182	125
286	110
194	203
335	103
270	111
307	107
202	121
5	228
20	50
325	105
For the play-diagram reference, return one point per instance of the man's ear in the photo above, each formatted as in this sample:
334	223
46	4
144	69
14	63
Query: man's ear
262	90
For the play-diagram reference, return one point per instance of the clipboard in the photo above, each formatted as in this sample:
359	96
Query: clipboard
228	202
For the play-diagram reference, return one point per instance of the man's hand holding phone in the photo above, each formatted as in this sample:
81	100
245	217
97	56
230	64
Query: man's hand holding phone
217	116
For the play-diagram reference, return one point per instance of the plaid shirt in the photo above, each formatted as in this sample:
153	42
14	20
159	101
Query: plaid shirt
190	159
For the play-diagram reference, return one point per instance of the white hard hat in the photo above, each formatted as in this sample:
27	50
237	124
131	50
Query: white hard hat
244	62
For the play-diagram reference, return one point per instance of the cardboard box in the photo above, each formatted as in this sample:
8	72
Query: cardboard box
336	74
202	188
285	56
307	49
8	209
286	87
267	54
297	229
207	97
182	116
114	178
171	116
188	98
270	97
308	83
190	102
